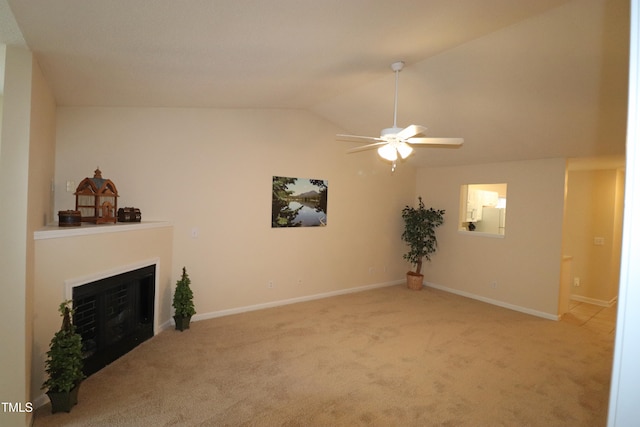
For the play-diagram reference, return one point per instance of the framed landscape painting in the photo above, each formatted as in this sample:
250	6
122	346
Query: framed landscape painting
299	202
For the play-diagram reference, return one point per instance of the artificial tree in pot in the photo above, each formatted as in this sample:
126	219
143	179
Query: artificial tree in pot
420	234
183	302
64	363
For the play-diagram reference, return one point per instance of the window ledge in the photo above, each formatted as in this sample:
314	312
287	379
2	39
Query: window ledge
481	234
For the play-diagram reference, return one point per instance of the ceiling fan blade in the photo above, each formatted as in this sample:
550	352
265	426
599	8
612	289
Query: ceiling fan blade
366	147
436	141
357	138
410	131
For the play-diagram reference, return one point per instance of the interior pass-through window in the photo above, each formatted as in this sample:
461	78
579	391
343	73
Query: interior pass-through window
483	208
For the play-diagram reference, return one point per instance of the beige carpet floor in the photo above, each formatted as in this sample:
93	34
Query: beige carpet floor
385	357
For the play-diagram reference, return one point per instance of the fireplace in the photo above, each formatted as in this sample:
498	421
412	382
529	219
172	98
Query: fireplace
114	314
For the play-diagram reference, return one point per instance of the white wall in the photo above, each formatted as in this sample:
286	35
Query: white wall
26	170
525	264
14	168
40	198
212	170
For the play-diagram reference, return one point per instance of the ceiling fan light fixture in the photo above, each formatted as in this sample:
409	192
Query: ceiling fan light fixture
388	152
404	149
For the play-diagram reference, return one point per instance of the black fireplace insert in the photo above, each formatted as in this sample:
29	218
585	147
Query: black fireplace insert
114	315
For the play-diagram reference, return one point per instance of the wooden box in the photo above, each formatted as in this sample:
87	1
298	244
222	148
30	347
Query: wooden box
129	215
69	218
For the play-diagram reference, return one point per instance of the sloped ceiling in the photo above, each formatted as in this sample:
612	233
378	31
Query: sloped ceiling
517	79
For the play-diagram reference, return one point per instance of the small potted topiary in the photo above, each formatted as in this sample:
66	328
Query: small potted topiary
183	302
420	234
64	363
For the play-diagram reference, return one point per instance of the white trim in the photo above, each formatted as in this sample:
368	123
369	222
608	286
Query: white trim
69	284
55	232
599	302
279	303
166	325
495	302
40	400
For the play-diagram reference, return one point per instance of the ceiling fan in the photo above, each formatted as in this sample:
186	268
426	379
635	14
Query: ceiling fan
396	141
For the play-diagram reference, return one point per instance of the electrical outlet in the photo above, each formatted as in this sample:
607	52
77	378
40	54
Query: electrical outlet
576	281
494	284
299	282
371	270
271	284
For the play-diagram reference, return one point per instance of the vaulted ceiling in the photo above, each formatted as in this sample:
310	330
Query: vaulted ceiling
517	79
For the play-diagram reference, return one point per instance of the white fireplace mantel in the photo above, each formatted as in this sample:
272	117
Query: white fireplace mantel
54	231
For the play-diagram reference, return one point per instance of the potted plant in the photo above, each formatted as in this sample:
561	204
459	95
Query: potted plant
183	302
420	234
64	363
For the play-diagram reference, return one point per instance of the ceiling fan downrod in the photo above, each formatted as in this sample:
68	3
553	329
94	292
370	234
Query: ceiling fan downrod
396	67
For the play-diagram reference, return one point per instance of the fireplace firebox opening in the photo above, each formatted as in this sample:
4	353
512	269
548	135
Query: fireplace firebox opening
114	315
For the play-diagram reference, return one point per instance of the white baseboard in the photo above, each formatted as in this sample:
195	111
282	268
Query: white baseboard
495	302
279	303
601	303
164	326
40	401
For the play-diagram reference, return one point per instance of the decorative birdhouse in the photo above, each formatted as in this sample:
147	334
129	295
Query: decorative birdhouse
97	199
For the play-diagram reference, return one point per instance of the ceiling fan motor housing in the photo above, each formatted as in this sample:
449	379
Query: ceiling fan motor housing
389	133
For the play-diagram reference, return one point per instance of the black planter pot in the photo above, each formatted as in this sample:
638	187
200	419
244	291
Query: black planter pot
63	401
182	323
